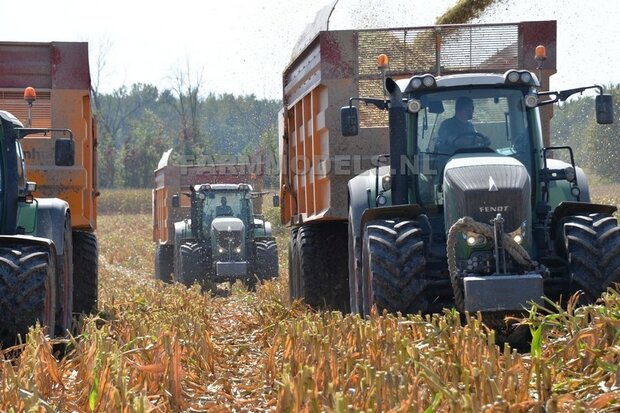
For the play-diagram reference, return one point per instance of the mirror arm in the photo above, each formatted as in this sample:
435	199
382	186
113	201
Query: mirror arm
562	95
22	132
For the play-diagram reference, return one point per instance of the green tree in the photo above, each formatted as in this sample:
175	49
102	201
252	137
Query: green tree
603	144
146	142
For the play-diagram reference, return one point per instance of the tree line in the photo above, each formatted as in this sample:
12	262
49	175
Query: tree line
137	124
596	147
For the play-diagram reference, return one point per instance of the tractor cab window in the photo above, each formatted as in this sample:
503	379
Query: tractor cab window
461	121
229	203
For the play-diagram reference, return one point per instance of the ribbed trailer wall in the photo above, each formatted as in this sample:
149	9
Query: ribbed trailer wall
59	72
316	161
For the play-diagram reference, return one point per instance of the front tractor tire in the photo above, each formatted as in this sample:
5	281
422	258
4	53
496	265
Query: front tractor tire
192	266
393	265
164	262
592	245
27	291
266	259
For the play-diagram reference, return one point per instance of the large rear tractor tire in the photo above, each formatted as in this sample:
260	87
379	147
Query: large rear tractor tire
321	262
164	262
85	272
592	245
393	265
27	291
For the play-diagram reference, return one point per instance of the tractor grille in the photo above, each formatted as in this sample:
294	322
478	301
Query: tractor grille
482	191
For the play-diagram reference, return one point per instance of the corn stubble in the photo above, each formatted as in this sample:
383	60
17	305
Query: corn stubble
157	347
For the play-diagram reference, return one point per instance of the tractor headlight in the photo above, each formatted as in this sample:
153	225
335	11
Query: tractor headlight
414	106
386	182
531	101
474	239
518	235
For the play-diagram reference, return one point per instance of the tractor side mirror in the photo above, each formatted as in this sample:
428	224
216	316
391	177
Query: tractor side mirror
349	123
64	152
176	202
276	201
604	109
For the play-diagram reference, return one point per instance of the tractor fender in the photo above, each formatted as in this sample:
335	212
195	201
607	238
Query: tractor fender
567	208
182	232
563	186
51	216
262	228
362	190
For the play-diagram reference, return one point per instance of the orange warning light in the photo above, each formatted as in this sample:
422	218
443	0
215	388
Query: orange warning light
382	61
30	95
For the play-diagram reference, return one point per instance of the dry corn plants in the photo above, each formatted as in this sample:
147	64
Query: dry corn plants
157	347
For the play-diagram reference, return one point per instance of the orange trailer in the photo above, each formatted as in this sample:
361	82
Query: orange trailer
60	74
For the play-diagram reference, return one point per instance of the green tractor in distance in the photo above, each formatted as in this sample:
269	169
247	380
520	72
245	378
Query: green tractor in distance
490	222
224	240
36	265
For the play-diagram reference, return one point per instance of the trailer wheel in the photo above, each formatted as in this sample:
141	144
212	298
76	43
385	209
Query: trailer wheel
593	252
266	259
322	263
65	282
164	264
27	291
85	272
393	265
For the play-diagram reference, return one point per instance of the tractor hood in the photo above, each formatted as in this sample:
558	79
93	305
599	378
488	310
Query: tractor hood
227	224
481	186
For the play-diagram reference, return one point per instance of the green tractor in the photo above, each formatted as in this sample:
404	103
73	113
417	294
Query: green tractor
487	219
36	264
224	240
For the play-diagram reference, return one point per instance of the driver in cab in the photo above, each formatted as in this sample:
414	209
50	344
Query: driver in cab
458	131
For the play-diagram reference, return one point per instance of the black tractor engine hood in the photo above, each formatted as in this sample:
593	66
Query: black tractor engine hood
483	186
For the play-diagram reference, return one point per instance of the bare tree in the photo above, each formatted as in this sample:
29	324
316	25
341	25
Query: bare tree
187	106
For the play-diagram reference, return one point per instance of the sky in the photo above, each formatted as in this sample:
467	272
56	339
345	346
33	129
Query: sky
242	46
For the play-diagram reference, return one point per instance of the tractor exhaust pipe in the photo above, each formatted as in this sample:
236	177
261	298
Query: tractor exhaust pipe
398	142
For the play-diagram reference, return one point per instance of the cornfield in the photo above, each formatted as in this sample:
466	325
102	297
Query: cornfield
159	347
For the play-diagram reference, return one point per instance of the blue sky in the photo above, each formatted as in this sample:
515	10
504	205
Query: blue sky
242	47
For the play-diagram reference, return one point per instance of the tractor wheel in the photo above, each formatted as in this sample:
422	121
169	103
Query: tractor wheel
85	272
193	266
266	259
164	264
322	263
27	291
64	265
355	270
393	264
592	245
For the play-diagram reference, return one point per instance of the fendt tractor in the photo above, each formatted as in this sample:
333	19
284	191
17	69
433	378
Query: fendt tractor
208	226
36	271
488	218
59	72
